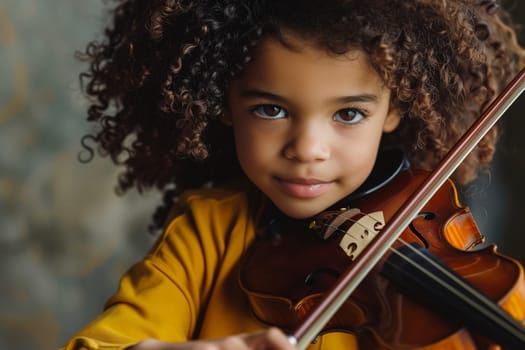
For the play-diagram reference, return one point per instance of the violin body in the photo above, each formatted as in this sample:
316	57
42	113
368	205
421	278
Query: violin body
285	273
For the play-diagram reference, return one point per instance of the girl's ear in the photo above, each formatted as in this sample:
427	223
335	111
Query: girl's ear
392	120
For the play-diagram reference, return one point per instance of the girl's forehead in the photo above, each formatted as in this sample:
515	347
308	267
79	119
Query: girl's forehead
289	53
293	45
302	69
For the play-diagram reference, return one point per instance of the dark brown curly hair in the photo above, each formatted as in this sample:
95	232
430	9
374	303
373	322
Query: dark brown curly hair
159	79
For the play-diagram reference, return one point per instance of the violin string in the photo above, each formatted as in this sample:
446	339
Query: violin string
476	304
351	219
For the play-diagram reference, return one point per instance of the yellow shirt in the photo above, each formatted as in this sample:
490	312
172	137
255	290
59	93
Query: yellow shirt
187	286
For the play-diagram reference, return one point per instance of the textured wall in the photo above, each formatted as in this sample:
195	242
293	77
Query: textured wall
64	235
65	238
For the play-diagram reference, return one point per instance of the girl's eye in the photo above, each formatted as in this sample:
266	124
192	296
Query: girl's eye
349	116
269	111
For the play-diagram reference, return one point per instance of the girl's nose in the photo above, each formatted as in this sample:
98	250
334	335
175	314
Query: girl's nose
308	143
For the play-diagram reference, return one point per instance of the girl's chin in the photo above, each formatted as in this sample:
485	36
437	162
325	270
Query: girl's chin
300	211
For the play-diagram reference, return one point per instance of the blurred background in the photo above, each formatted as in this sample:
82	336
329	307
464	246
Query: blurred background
65	237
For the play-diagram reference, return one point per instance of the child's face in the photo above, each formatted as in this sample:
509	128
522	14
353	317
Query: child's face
307	125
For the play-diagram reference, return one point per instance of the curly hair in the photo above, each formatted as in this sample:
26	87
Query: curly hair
159	79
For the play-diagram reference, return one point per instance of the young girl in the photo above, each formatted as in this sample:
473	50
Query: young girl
244	110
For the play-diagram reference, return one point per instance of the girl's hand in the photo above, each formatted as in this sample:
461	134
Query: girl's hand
271	339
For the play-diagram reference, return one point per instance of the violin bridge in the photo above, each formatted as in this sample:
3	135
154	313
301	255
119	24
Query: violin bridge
361	233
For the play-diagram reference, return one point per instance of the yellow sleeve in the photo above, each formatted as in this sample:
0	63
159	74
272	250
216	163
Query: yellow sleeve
161	296
82	343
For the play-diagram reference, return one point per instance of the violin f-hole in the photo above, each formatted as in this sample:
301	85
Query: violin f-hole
426	215
316	276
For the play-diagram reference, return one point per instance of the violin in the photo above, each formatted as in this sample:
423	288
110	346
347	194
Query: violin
396	268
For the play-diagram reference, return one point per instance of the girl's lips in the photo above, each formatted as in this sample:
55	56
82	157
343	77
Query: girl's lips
304	188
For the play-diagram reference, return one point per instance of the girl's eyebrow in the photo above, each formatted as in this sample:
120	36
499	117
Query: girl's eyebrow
358	98
254	93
